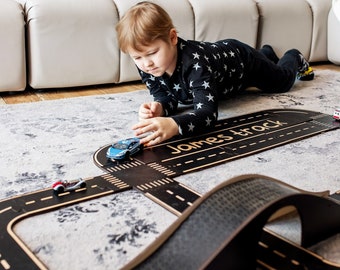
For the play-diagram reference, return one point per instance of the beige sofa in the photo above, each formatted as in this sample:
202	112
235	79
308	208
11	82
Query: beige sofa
65	43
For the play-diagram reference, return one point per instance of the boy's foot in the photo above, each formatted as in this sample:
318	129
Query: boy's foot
305	72
268	51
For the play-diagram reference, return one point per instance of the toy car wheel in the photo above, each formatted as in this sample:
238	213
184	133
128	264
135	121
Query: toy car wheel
59	190
127	155
82	185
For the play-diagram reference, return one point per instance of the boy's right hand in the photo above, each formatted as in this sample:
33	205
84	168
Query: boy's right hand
150	110
155	130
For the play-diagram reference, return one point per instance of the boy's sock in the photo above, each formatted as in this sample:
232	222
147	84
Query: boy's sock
268	51
305	72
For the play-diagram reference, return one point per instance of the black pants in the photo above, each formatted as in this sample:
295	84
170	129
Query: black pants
262	72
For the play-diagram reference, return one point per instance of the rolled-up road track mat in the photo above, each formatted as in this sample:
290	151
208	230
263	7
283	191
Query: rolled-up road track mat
223	229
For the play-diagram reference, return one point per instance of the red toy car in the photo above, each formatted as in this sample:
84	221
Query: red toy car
336	114
64	185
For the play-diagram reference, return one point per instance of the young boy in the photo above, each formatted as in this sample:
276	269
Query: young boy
192	72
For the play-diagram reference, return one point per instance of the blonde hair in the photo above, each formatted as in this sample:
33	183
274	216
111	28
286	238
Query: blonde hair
142	24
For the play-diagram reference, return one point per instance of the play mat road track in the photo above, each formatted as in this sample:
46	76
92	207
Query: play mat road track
153	171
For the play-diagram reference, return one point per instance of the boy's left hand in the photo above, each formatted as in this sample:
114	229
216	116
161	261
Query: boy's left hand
160	129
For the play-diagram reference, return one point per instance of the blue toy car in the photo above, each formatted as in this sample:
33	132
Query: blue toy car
123	149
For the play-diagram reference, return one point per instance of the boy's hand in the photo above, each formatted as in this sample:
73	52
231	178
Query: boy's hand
160	129
150	110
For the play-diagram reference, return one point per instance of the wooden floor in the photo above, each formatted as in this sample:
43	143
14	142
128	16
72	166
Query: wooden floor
31	95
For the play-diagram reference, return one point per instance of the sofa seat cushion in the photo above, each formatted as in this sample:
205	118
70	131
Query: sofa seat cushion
285	24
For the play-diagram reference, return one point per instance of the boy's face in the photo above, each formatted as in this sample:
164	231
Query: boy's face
157	58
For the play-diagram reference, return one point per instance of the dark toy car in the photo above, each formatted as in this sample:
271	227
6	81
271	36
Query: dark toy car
63	186
123	149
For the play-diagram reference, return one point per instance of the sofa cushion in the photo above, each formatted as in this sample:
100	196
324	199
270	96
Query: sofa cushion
71	43
285	24
12	46
216	19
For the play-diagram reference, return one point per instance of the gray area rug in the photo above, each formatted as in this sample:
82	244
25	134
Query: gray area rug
50	140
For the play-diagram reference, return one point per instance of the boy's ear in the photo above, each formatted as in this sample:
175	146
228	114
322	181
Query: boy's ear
173	36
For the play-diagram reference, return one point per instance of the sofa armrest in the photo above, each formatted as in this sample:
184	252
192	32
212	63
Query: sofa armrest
12	46
320	10
333	38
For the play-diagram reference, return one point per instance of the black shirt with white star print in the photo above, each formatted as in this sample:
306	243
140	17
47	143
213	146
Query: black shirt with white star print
204	72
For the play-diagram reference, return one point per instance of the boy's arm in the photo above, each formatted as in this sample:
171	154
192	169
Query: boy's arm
160	93
205	103
202	118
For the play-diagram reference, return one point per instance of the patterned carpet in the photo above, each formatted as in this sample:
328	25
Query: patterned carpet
50	140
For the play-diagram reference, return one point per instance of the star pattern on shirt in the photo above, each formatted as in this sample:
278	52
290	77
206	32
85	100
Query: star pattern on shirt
199	105
208	121
196	55
177	87
197	66
210	97
171	105
228	90
206	85
191	127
